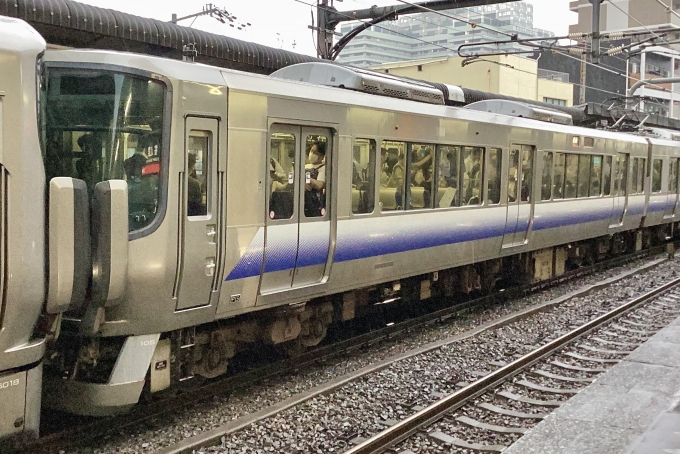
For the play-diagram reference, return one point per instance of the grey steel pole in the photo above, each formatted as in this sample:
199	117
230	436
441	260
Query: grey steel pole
596	31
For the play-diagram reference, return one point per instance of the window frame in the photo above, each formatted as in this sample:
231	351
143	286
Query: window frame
164	152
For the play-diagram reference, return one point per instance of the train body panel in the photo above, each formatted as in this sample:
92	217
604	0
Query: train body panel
22	217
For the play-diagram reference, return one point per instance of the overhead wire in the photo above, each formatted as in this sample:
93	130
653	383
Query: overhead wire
614	71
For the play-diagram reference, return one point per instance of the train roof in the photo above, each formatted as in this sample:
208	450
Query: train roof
248	82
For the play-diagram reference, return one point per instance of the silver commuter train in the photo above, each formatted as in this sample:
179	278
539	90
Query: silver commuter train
194	182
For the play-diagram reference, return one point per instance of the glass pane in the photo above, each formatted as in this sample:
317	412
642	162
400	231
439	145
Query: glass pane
558	176
641	175
623	174
571	172
656	175
105	125
595	176
282	175
447	192
494	192
420	180
546	183
472	159
513	171
363	176
527	172
635	189
198	163
317	150
392	194
607	175
583	175
672	172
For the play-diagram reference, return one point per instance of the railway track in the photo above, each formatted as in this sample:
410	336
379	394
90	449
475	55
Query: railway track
87	431
538	388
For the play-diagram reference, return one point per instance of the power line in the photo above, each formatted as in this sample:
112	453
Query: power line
611	2
455	50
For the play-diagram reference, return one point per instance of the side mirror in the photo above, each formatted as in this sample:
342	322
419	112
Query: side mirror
111	242
69	244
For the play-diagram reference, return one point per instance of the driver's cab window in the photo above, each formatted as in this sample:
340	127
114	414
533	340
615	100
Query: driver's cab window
97	125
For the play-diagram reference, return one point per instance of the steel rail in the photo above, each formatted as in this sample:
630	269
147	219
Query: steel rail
224	385
407	427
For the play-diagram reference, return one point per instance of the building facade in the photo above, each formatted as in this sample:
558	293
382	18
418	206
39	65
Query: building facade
660	61
621	15
431	35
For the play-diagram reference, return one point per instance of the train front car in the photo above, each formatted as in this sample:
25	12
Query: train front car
22	275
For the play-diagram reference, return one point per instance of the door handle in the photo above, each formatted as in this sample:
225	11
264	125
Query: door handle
210	266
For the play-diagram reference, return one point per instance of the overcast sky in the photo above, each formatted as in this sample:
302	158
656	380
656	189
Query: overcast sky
281	23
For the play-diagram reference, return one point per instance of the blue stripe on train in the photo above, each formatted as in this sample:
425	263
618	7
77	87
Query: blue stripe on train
390	239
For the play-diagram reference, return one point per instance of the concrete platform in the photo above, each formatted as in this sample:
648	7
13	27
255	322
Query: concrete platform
633	408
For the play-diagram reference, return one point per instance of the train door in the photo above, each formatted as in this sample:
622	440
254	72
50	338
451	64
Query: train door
298	233
620	189
520	187
672	196
200	215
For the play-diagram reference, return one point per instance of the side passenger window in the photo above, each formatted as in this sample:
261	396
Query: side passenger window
596	176
558	176
546	183
656	175
494	170
473	157
363	175
447	191
583	175
571	176
393	193
421	176
607	175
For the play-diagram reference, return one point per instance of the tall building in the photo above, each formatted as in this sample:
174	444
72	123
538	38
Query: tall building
432	35
660	61
623	15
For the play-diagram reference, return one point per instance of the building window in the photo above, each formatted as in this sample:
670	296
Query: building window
557	102
420	67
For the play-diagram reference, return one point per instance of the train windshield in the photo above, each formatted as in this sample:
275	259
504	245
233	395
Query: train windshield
99	125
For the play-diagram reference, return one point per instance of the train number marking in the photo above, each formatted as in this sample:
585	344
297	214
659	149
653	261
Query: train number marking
235	298
147	343
9	383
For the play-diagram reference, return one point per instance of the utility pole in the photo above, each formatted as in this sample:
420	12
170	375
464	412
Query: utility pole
596	54
324	35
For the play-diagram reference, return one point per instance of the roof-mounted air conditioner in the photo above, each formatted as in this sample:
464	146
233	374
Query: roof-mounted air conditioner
518	109
360	80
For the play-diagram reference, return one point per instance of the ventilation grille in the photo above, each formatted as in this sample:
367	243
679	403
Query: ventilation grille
4	225
395	93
